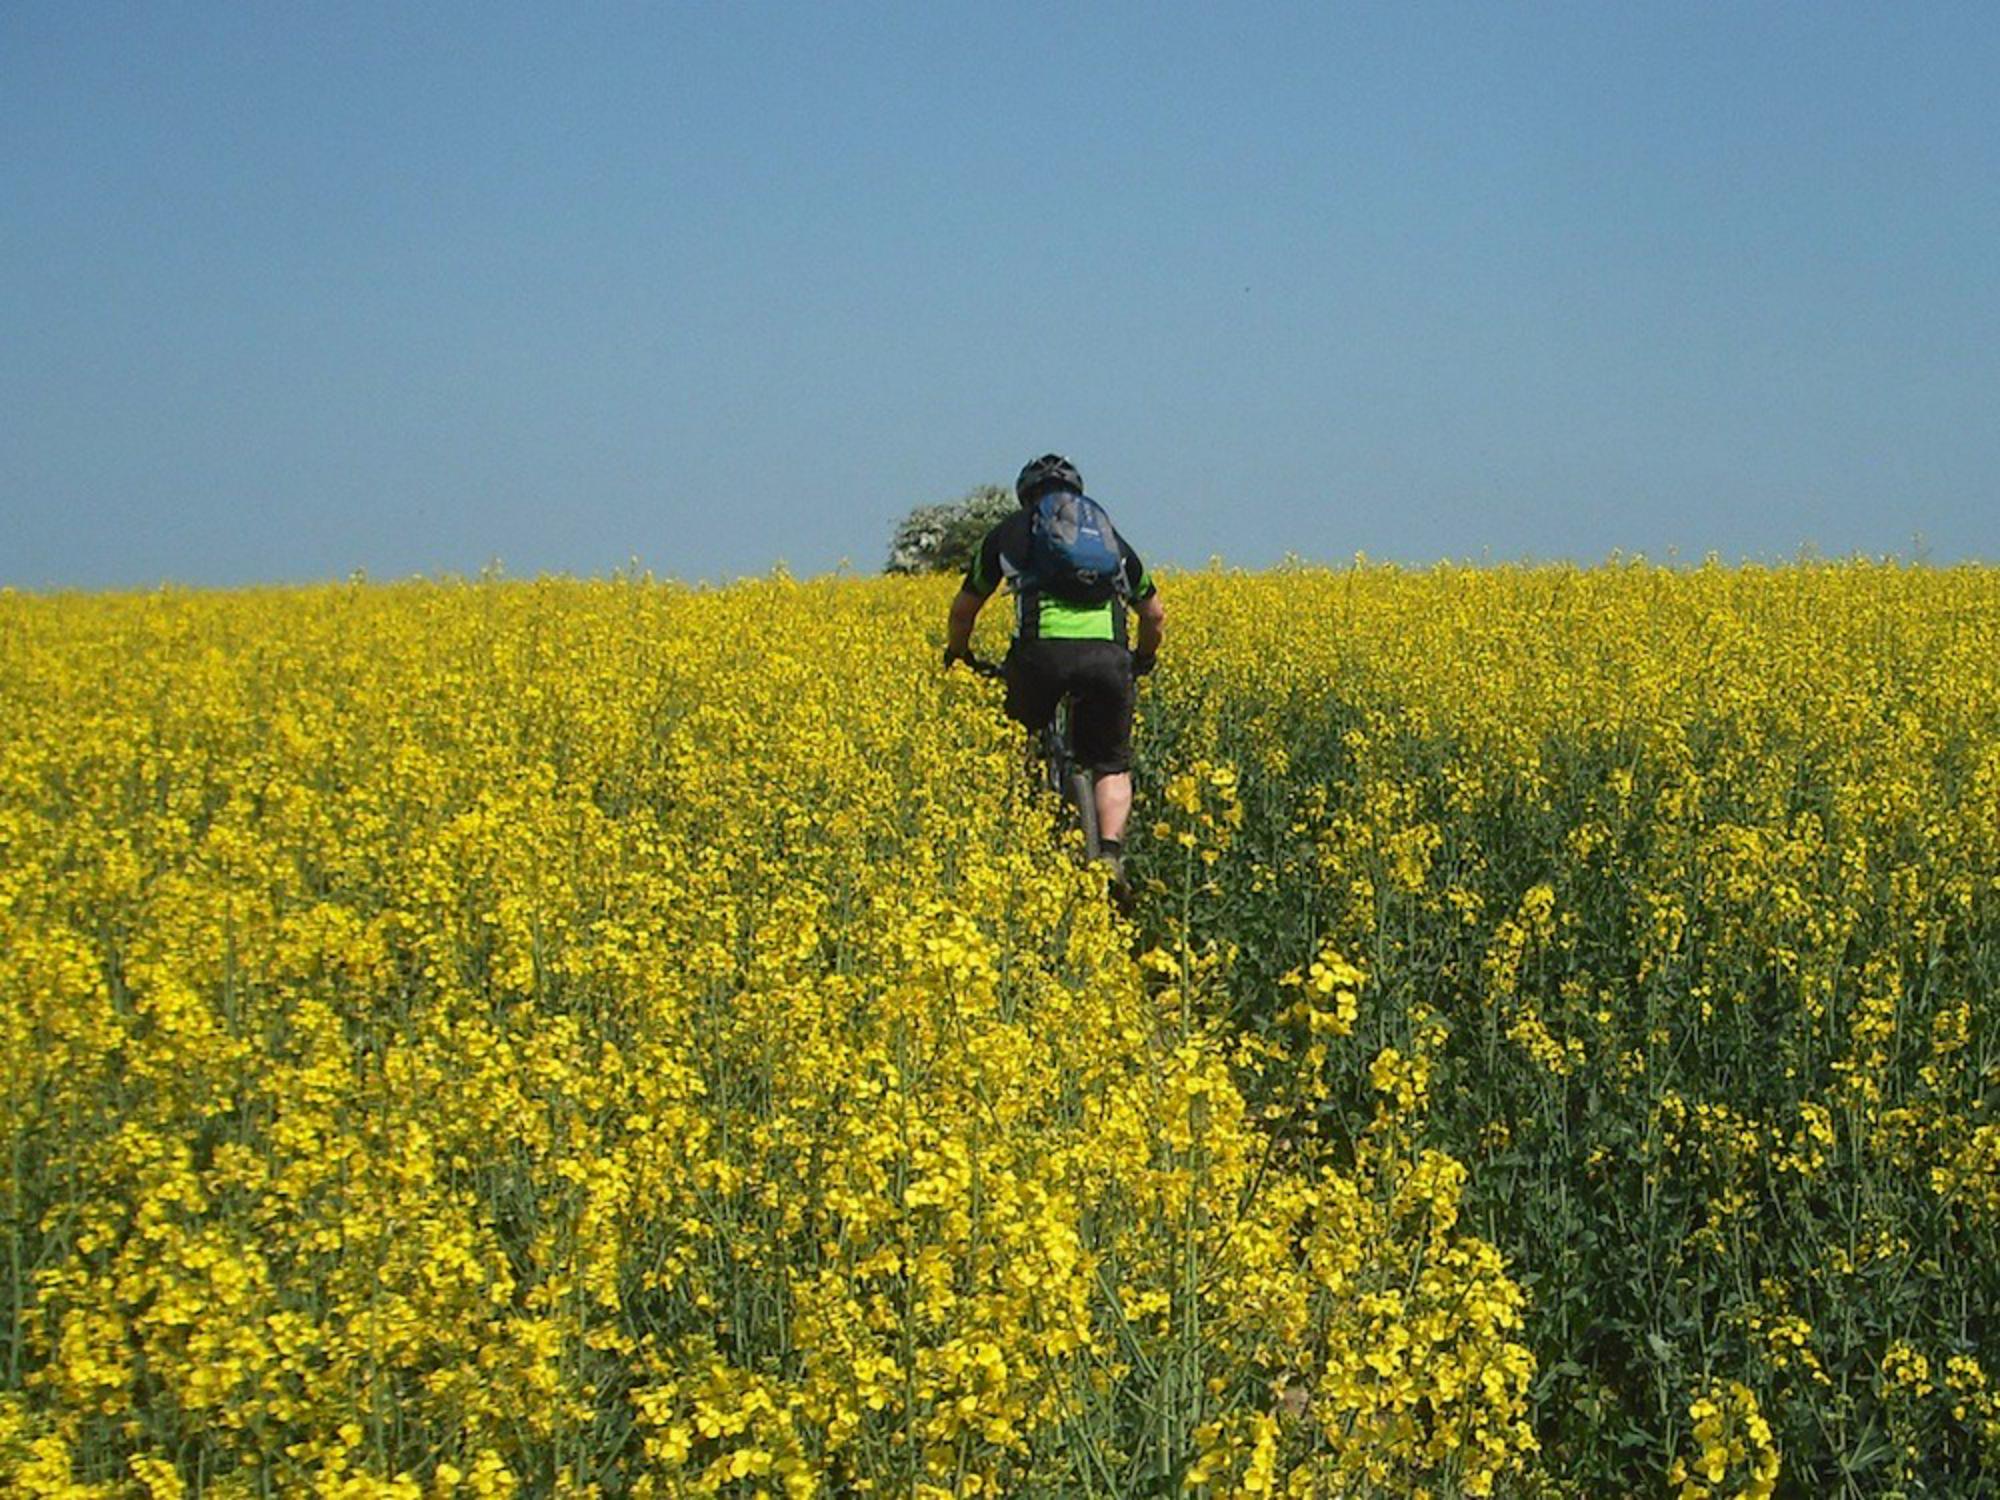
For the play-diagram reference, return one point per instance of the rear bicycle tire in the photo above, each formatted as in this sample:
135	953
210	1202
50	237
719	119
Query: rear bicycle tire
1083	792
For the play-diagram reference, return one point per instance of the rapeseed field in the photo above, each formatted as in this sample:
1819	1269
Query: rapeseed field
614	1038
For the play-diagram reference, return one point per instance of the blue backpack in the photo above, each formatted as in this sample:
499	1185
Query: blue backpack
1073	550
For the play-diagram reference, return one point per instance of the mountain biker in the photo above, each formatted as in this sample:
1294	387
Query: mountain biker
1072	646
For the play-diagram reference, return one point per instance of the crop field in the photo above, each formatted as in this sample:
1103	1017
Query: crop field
619	1039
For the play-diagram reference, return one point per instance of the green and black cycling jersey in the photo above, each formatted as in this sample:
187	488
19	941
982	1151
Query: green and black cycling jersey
1003	558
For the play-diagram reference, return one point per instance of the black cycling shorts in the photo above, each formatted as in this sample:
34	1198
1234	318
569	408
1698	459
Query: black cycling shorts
1097	675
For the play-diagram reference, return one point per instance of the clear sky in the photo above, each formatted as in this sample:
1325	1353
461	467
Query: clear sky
288	291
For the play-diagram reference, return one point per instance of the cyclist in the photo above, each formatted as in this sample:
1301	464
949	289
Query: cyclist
1075	646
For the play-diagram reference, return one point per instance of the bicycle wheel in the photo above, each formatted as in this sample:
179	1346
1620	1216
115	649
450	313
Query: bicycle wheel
1055	750
1083	792
1073	782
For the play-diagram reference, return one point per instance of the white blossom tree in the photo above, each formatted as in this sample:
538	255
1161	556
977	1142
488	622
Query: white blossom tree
942	538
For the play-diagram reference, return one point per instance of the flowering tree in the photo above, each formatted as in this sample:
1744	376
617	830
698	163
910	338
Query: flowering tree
942	538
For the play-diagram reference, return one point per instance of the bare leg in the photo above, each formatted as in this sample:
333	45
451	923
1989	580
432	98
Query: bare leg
1114	804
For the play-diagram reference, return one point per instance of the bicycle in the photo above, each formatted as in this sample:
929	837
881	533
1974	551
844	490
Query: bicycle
1075	783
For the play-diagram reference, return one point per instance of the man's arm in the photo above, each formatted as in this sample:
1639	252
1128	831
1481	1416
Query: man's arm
981	578
1145	597
1152	624
958	625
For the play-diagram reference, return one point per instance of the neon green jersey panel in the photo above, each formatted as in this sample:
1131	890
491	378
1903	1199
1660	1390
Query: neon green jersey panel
1076	622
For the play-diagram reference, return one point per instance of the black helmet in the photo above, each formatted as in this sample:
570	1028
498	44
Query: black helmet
1049	472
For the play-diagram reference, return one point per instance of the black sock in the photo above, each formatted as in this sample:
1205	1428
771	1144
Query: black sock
1113	847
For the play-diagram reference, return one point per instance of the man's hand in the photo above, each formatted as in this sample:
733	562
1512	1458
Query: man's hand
956	654
1143	663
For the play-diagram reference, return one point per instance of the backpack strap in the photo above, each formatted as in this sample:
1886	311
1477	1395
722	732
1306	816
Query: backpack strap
1027	612
1027	598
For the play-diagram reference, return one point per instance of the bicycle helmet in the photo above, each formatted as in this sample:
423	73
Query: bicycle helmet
1049	472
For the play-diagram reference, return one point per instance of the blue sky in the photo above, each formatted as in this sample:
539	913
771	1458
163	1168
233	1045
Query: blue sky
290	291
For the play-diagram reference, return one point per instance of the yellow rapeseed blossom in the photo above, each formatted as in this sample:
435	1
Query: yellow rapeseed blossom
619	1038
1734	1457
